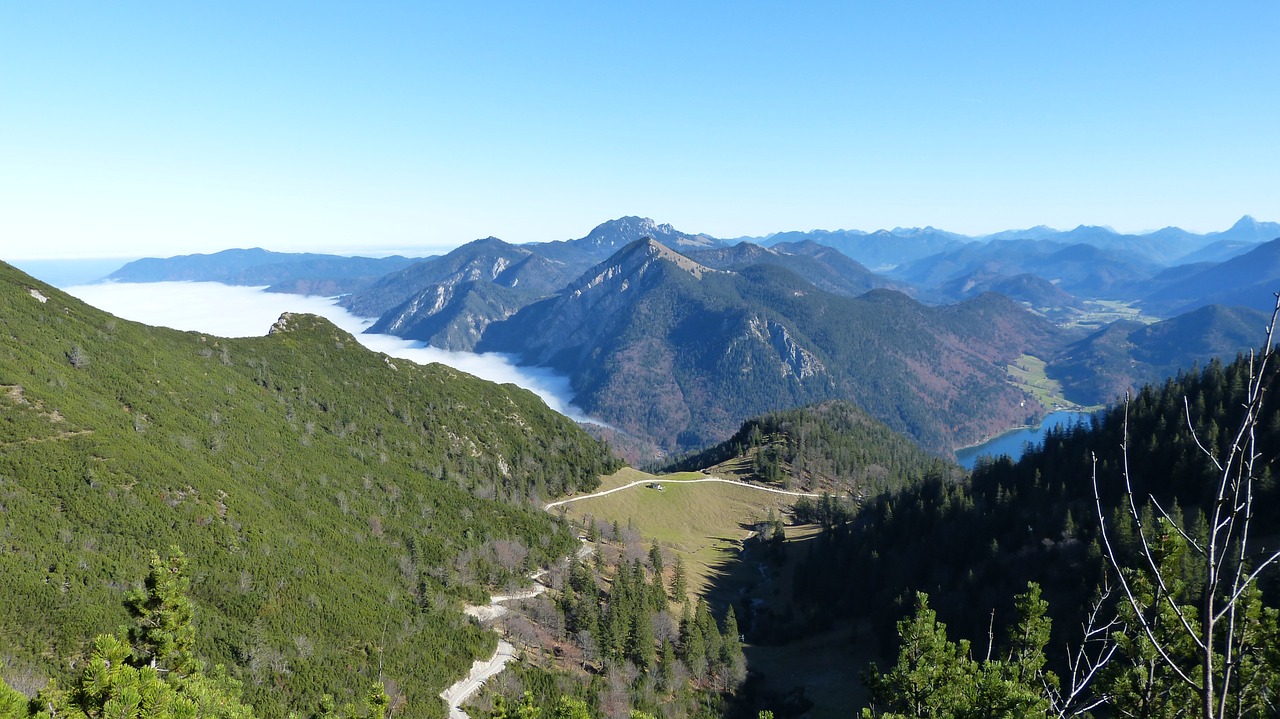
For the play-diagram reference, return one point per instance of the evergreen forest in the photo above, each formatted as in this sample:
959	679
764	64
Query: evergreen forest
336	506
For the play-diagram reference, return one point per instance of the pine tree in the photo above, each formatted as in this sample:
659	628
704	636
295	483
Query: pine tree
658	594
710	633
158	677
667	668
735	664
568	707
378	701
655	557
679	583
163	636
640	644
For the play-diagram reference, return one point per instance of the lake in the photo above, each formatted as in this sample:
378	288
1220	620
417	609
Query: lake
1013	441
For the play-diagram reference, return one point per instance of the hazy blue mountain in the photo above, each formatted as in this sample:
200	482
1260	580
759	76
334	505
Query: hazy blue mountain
1165	278
1041	295
887	249
1039	232
424	284
881	249
826	267
1246	281
304	273
1219	251
1079	269
1125	355
1247	229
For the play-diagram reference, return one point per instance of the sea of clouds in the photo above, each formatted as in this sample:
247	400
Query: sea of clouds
228	311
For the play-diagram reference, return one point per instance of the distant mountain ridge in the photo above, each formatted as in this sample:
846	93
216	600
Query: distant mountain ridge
884	249
301	273
826	267
1086	263
669	349
1247	280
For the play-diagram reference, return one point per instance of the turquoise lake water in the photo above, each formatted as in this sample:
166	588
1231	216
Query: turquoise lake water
1013	442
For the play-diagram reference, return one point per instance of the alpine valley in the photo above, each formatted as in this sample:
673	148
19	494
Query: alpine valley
765	520
674	338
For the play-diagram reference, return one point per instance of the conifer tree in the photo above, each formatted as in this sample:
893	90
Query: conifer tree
667	668
731	657
158	677
640	645
655	557
163	636
13	703
679	583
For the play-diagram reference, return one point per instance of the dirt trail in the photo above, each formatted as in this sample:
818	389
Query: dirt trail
639	482
484	669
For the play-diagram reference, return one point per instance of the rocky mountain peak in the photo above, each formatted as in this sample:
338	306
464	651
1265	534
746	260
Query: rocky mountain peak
625	230
628	265
647	249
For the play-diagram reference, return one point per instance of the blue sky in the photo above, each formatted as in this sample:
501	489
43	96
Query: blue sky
131	129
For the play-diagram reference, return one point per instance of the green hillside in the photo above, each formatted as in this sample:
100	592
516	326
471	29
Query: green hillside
974	545
832	446
335	504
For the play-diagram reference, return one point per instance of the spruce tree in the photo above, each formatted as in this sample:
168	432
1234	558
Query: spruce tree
655	557
679	583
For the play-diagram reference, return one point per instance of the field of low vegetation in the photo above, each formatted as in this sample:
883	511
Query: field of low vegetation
1100	313
705	522
1028	372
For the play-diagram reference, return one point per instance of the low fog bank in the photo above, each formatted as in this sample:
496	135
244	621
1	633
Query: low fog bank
65	273
228	311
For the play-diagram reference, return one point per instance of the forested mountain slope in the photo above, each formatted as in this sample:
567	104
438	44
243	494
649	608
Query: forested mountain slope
829	447
674	351
1123	356
973	545
335	504
427	288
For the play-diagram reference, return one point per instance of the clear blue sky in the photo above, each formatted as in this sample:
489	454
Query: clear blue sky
133	129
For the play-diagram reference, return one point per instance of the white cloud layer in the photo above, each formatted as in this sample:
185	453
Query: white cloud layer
228	311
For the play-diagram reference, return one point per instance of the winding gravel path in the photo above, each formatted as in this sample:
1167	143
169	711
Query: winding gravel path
484	669
680	481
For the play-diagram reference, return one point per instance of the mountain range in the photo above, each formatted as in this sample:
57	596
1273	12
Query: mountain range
667	348
673	338
299	273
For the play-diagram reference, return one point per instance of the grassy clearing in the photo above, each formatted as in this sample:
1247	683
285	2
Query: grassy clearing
706	523
1099	313
1028	372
